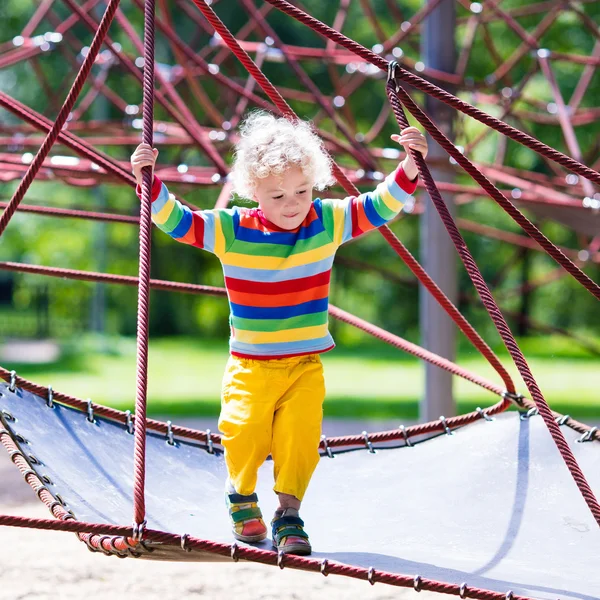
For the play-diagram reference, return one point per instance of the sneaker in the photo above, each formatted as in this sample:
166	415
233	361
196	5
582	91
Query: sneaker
289	536
247	523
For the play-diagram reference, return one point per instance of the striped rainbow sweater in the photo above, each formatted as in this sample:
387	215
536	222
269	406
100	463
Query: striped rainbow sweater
278	281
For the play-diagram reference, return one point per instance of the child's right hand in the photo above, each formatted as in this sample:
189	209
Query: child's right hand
144	156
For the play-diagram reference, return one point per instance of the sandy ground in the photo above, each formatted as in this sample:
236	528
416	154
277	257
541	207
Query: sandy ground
44	565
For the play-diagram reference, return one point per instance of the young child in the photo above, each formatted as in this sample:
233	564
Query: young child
277	261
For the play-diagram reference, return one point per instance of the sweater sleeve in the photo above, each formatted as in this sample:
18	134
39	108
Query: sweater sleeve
351	217
211	230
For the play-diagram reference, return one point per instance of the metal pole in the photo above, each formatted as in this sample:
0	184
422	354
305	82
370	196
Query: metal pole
438	332
100	112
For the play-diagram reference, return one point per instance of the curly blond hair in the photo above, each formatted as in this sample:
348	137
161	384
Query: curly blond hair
270	145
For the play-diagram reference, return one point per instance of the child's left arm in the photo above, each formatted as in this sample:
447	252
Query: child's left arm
347	219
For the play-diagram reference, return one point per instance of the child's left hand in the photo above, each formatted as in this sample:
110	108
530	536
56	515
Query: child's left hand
411	138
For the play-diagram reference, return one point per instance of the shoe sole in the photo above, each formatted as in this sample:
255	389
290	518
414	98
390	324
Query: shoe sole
296	549
250	538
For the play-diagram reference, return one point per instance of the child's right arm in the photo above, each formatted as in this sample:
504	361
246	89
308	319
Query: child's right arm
211	230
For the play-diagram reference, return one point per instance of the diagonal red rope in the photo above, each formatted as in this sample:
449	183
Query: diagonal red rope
398	96
139	505
78	145
350	188
515	134
62	117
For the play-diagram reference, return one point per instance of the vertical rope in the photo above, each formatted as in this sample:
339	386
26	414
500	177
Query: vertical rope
139	505
62	117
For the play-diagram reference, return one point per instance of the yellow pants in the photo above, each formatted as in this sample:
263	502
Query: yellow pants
272	407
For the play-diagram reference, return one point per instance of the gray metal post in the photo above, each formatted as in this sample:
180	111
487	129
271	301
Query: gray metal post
100	112
438	332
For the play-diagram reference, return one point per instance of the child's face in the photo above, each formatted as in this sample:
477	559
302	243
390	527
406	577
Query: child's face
285	199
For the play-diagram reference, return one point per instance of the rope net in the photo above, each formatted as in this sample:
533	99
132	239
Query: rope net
563	189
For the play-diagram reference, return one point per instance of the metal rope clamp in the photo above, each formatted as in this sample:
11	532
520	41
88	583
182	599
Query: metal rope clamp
21	439
184	546
129	421
14	453
483	414
234	549
588	436
41	489
532	412
368	443
116	552
280	556
210	448
392	66
89	544
13	382
445	425
562	420
327	447
170	439
138	531
513	397
324	564
90	411
50	399
405	436
370	575
8	416
101	547
28	472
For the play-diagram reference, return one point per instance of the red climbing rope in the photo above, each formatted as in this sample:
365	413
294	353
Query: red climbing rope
76	214
139	506
497	195
195	58
63	115
266	557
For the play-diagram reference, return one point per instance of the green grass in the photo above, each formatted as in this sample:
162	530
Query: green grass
373	381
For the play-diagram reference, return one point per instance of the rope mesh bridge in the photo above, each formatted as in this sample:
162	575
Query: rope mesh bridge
397	97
